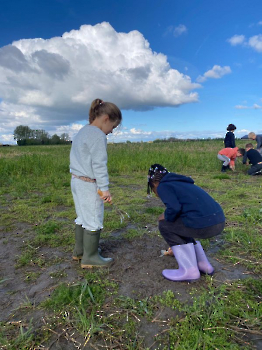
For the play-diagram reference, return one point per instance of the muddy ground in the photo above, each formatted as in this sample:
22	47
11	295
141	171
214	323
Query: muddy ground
137	269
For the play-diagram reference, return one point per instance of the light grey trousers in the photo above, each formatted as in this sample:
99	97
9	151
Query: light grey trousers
88	204
224	159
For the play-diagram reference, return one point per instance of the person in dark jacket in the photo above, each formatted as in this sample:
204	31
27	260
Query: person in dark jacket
229	139
255	159
190	213
258	139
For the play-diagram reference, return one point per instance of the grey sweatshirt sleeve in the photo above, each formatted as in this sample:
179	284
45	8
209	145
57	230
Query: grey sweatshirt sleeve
99	163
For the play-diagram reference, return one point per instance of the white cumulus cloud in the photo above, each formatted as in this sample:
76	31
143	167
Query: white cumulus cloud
256	42
53	81
236	40
216	72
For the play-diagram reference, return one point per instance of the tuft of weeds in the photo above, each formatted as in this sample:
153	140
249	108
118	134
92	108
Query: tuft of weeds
17	335
168	299
32	276
58	274
27	256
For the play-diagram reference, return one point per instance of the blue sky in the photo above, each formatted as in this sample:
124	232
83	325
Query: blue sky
175	68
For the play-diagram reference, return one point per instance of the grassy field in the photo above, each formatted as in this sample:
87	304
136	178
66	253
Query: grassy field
85	309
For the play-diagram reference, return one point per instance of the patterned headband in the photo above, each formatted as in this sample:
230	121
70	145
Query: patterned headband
154	170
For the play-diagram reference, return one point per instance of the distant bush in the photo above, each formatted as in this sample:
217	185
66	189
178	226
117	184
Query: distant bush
29	137
38	142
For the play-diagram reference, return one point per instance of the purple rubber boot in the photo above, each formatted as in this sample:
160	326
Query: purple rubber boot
204	265
187	263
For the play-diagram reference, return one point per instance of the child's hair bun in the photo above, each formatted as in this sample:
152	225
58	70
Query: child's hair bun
231	127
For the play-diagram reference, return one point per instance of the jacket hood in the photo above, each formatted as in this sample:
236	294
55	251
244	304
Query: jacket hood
170	177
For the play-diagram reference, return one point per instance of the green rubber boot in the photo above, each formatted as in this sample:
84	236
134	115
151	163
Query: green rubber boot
78	250
91	256
79	243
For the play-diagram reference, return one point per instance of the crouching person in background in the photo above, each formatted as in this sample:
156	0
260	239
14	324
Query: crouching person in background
228	157
258	139
255	159
190	213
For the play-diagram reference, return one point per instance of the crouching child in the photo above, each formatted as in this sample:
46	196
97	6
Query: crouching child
255	159
190	213
228	157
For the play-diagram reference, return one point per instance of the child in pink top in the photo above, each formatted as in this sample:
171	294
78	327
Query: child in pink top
228	157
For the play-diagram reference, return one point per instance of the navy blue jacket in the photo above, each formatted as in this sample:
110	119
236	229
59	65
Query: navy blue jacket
189	202
229	140
253	156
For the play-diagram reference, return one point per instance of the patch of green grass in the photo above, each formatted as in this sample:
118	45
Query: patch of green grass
26	257
54	240
30	256
32	276
133	233
83	301
218	319
53	234
243	246
73	296
253	215
167	298
58	274
17	336
155	211
47	228
221	177
91	291
112	222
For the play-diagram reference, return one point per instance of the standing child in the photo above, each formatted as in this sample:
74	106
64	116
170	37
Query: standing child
228	157
258	138
229	139
88	165
190	213
255	158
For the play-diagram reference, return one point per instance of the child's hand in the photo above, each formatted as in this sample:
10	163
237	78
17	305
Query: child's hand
232	167
169	252
105	195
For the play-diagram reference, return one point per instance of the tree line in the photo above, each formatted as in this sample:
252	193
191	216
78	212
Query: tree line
25	136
